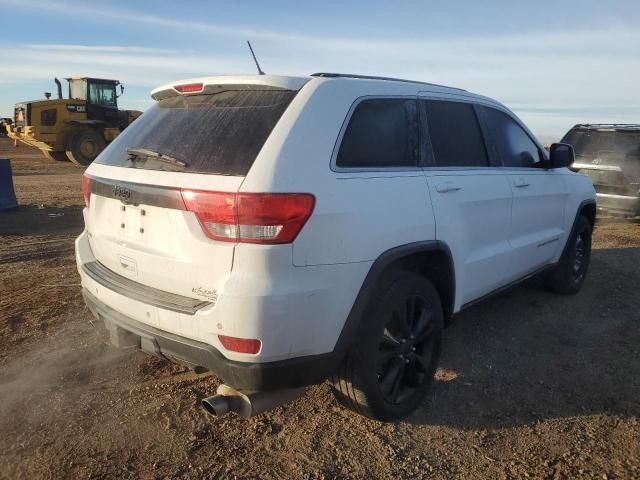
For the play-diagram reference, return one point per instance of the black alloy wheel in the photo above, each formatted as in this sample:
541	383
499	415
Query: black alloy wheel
408	350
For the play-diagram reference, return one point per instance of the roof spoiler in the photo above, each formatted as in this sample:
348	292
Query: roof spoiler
219	84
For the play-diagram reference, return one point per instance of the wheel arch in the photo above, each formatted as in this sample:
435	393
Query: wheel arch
435	263
431	258
586	208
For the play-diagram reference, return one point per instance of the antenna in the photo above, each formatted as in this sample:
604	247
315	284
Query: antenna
254	58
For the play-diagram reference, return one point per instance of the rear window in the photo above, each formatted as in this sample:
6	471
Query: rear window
218	133
608	146
616	148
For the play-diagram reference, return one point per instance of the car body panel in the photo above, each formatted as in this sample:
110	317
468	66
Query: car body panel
296	297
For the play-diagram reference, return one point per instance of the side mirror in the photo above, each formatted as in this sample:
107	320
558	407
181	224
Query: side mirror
121	89
561	155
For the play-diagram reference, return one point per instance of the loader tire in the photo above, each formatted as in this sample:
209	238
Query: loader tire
84	146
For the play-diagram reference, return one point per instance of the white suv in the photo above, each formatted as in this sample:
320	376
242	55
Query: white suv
279	231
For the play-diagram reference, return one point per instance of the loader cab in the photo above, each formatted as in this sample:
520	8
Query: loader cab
100	97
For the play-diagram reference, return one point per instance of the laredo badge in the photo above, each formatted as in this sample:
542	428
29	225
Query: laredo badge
206	293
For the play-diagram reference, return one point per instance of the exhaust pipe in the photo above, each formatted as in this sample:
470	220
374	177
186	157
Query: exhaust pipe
247	403
59	88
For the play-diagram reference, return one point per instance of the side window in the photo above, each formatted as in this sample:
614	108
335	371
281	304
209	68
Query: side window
78	89
102	94
48	117
455	134
381	133
514	146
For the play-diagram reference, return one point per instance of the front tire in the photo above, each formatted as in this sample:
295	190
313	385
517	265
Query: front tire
568	276
390	366
84	146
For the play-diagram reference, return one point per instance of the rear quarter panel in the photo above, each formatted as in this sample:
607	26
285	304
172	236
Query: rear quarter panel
358	215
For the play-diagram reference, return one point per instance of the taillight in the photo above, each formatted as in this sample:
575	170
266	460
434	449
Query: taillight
267	218
86	188
189	87
240	345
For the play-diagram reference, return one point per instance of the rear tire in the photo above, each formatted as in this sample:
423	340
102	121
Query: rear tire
390	366
567	277
84	146
55	156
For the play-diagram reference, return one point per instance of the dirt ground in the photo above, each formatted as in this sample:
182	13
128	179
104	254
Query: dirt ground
531	384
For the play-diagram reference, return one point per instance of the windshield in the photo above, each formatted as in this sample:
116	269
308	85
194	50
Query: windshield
102	94
217	133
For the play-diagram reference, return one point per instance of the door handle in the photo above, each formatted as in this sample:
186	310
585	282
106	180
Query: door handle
447	187
521	183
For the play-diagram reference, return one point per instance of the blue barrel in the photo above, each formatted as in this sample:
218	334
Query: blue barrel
7	193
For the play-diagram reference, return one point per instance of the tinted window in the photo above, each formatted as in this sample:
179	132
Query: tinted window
455	134
219	133
102	94
381	133
604	142
514	146
607	147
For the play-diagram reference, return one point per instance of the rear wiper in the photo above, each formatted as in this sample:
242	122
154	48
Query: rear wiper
138	152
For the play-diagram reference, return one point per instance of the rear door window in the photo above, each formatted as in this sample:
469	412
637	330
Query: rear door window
218	133
455	135
381	133
514	146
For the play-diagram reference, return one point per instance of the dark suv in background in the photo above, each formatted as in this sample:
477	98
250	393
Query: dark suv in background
610	156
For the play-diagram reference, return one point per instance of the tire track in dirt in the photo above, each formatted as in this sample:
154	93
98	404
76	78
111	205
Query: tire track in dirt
531	384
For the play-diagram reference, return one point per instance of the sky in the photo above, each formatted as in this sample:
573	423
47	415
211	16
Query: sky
554	63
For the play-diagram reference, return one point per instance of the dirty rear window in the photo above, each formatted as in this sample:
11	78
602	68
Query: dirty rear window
218	133
615	148
608	146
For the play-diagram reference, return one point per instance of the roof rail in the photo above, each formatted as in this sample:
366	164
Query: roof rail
614	126
368	77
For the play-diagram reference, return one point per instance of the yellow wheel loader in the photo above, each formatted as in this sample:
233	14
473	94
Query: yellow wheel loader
76	128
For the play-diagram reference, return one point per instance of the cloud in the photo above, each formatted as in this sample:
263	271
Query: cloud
123	15
607	41
133	65
575	67
99	48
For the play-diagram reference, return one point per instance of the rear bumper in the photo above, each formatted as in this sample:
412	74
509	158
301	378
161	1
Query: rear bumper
296	312
619	204
127	332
